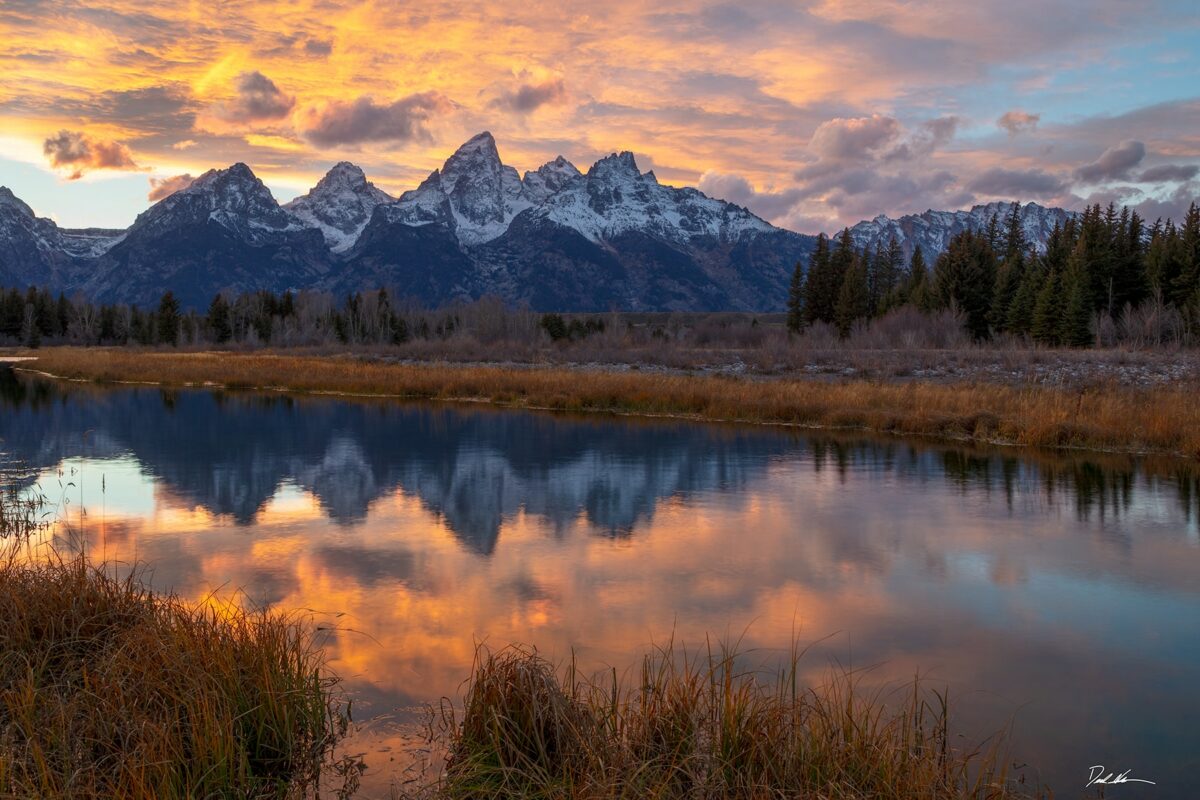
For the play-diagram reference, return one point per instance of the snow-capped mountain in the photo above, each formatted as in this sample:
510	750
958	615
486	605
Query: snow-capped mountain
474	192
933	230
548	179
615	198
555	239
224	231
34	250
340	205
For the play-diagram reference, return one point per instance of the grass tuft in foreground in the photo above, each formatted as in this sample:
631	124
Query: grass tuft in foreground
701	728
110	690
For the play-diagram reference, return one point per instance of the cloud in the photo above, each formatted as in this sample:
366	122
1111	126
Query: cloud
363	120
258	99
163	187
1169	173
1017	121
184	145
928	137
530	96
1017	183
851	139
1114	163
738	190
80	153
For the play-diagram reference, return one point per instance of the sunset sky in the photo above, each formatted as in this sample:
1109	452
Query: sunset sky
812	114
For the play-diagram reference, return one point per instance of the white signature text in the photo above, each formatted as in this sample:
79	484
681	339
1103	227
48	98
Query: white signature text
1098	774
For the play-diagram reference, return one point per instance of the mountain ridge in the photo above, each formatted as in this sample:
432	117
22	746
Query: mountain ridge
554	238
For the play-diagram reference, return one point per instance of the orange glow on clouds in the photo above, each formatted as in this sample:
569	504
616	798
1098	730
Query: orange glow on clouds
691	86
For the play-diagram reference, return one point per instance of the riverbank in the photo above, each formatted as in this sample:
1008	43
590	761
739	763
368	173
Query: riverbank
1105	416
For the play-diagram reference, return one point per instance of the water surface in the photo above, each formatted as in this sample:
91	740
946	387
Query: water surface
1059	594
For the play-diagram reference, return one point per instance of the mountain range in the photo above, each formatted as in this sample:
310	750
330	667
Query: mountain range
554	239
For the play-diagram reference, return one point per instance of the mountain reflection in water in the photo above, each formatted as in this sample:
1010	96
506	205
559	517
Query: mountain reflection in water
1061	592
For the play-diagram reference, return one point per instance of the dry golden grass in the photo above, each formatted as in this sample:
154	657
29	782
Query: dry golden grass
1106	417
109	690
705	728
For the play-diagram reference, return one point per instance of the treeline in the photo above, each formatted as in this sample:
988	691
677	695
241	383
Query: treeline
1105	277
34	316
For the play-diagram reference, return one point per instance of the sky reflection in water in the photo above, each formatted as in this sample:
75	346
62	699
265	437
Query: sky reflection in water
1060	593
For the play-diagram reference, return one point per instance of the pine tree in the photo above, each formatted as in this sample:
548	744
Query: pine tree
168	320
795	301
854	297
1020	311
1076	325
1048	311
1185	284
965	276
220	327
819	292
917	290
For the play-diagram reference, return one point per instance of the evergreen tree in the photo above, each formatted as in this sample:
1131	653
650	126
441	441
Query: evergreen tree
1048	310
819	293
168	320
1020	311
1185	284
219	325
795	301
1076	325
854	297
917	290
965	276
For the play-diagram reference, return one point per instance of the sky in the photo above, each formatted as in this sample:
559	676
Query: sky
812	114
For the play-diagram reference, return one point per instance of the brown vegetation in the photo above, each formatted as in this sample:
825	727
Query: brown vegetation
1106	416
701	727
109	690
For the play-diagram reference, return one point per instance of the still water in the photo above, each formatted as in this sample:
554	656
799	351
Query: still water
1058	595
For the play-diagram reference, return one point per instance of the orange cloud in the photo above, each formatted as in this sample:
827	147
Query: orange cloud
79	153
163	187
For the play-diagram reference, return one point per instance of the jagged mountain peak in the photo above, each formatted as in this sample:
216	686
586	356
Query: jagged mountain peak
234	198
932	230
340	205
474	193
622	165
7	198
549	178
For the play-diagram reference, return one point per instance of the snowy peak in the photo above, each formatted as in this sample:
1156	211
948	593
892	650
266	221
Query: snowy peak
616	167
615	198
933	230
550	177
340	205
233	198
481	194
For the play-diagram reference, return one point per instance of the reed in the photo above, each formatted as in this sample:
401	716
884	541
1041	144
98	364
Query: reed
108	690
702	727
1104	416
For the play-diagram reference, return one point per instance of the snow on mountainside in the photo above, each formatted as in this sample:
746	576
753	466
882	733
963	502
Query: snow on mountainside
555	239
615	197
340	205
933	230
549	178
234	198
474	192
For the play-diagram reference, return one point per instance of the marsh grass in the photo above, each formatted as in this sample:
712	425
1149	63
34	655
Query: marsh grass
701	726
109	690
1162	419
